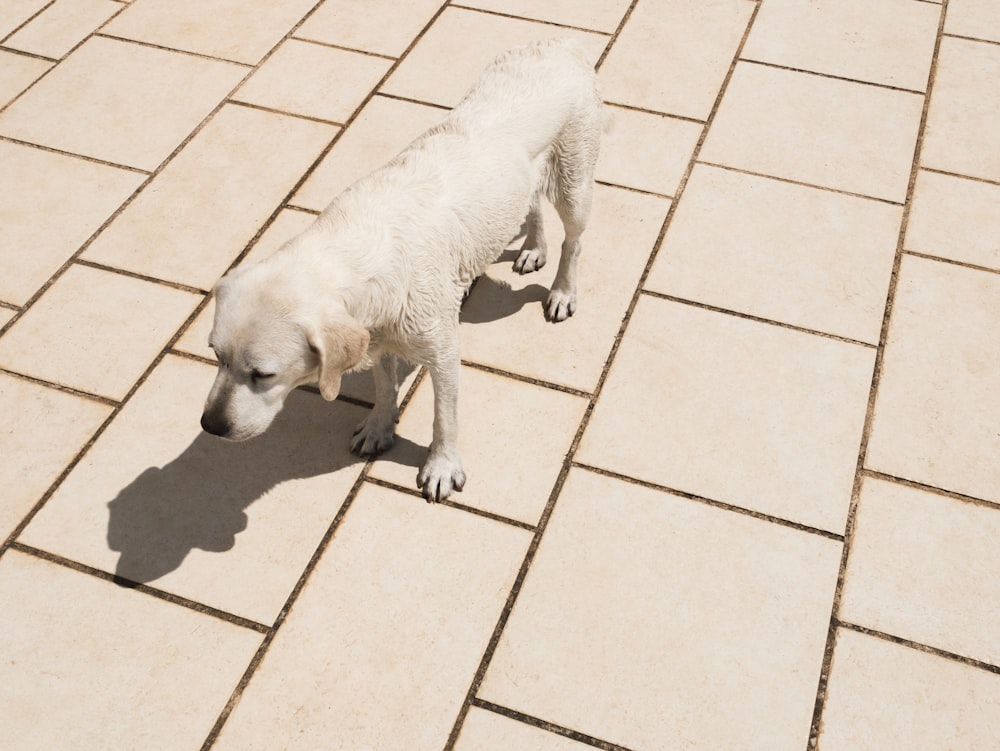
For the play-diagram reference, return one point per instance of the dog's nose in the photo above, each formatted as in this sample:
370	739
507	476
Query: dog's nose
214	425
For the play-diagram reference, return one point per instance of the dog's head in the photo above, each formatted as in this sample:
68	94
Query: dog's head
270	336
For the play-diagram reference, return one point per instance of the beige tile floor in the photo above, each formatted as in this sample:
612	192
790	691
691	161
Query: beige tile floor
747	498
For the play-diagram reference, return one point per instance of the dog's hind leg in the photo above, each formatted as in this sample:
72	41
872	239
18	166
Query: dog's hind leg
533	251
377	431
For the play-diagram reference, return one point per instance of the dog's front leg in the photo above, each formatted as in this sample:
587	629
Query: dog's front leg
442	472
377	431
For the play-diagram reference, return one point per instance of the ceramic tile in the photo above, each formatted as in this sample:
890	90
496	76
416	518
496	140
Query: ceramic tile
5	315
747	413
43	430
822	131
937	395
37	186
382	129
488	731
231	525
955	218
225	184
286	225
884	695
666	145
673	56
730	590
973	18
227	29
498	417
121	102
14	13
107	666
314	80
62	26
385	27
76	334
964	113
503	325
890	42
597	15
799	255
459	45
923	566
391	668
18	72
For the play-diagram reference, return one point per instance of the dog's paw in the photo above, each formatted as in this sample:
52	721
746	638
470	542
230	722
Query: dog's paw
372	437
529	260
439	477
560	306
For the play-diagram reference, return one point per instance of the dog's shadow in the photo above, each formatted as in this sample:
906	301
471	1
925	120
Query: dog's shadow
199	500
490	300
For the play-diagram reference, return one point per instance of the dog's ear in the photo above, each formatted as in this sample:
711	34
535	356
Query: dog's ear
340	347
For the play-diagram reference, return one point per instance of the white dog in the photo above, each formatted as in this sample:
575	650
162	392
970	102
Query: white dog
383	270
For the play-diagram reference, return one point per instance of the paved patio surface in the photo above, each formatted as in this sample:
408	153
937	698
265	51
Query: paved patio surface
747	498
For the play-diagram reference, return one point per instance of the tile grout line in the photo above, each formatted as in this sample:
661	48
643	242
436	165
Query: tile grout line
830	76
951	261
136	275
83	157
164	48
980	40
106	400
647	111
522	573
515	17
953	495
25	53
827	662
917	646
126	583
526	379
790	181
988	181
527	719
756	319
342	48
400	98
722	505
32	17
283	113
630	189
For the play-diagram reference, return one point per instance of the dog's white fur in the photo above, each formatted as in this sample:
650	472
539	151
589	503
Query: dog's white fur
383	270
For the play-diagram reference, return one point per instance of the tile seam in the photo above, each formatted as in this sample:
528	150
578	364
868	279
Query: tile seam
567	463
706	501
994	42
756	319
971	662
233	100
177	50
551	727
342	48
86	262
974	178
105	400
953	495
128	584
828	652
26	53
631	189
831	76
657	113
514	17
29	19
550	385
951	261
73	155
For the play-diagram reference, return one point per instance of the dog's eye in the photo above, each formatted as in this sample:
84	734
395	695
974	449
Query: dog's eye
260	376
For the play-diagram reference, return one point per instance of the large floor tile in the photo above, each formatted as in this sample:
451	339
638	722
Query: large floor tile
664	143
598	15
197	215
488	731
17	73
973	18
955	218
503	324
380	131
121	102
62	26
108	667
747	413
884	695
822	131
381	647
50	204
513	437
923	566
314	80
726	654
228	29
385	27
790	253
231	525
43	430
458	46
673	56
95	330
964	114
937	397
13	13
890	42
